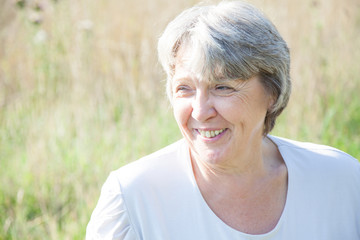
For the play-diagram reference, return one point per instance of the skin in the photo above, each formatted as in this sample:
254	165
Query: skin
240	173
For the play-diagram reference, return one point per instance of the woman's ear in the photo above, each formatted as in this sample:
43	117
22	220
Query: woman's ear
271	103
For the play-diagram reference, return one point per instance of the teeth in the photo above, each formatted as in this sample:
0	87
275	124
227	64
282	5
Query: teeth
210	134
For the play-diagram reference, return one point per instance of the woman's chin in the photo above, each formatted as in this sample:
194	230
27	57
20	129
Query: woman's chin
210	156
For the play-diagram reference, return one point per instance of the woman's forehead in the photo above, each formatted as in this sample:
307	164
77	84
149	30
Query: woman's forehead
188	64
192	63
185	55
183	74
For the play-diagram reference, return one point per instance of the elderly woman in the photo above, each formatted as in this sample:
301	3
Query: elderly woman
228	80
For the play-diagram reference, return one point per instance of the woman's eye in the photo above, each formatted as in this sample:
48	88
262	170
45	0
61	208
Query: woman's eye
182	90
223	88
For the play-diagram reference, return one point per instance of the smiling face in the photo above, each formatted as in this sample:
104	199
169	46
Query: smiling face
221	121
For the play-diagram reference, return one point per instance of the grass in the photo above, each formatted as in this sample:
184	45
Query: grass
81	94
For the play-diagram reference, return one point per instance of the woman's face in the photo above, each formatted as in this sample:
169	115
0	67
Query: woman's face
219	120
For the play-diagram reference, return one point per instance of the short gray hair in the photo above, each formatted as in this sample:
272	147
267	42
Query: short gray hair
231	40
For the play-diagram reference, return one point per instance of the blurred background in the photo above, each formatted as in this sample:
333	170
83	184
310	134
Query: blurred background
82	93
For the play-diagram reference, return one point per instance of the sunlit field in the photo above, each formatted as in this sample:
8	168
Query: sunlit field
82	93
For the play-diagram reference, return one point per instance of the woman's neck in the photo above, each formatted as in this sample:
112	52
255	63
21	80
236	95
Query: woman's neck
252	168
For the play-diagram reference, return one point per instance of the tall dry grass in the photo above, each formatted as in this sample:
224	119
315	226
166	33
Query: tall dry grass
81	93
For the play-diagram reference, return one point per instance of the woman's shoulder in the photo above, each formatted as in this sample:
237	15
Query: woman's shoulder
311	148
155	167
141	183
317	157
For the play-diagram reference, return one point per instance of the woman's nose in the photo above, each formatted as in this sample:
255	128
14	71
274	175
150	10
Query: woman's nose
202	107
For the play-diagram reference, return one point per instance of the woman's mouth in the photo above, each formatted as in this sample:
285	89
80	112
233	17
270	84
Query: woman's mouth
211	133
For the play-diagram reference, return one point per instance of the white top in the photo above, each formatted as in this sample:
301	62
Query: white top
157	198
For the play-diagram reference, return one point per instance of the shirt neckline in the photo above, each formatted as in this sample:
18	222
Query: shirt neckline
211	214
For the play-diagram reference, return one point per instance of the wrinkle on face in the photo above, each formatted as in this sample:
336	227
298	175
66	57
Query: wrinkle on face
238	105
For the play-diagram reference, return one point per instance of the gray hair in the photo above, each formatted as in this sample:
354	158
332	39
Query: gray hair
231	40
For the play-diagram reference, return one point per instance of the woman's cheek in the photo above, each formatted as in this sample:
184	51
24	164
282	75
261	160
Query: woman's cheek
182	111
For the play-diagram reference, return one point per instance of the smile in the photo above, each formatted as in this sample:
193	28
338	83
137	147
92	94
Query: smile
211	134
